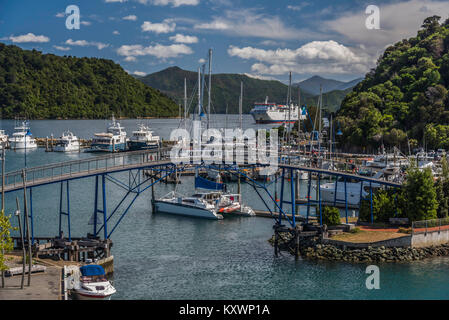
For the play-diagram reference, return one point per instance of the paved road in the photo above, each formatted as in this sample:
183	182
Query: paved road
44	286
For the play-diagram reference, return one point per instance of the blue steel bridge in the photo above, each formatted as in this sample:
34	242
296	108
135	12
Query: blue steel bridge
104	169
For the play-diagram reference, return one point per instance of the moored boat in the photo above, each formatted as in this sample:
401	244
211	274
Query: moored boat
93	284
114	140
143	139
21	138
67	143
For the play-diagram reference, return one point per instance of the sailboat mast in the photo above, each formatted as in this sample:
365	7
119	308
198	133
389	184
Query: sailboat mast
199	90
241	105
210	88
185	103
319	119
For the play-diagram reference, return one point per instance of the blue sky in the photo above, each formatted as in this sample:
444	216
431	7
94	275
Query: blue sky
262	38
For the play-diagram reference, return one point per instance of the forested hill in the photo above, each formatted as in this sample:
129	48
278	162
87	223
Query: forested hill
37	86
406	96
226	90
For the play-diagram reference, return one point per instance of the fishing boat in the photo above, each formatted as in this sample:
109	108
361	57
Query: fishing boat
3	139
67	143
264	113
113	140
93	284
143	139
21	138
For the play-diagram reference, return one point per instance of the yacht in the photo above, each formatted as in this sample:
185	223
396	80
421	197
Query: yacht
143	139
68	142
21	138
3	139
353	189
200	205
93	284
113	140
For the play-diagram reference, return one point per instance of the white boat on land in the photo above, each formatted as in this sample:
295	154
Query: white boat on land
111	141
143	139
67	143
200	205
93	284
3	139
21	138
353	187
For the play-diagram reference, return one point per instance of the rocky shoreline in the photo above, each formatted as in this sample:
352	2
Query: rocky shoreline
312	248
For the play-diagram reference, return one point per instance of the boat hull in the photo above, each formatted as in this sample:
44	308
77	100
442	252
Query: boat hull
138	145
16	145
84	296
183	210
108	148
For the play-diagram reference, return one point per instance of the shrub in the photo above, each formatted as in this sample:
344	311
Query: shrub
331	216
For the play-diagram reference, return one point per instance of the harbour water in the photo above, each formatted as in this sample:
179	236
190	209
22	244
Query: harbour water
165	257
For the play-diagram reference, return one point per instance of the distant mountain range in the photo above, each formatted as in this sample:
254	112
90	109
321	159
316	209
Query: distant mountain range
313	84
226	89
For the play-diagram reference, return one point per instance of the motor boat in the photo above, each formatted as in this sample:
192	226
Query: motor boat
3	139
92	284
67	143
143	139
21	138
113	140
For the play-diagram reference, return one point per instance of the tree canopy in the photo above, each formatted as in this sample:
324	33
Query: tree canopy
36	85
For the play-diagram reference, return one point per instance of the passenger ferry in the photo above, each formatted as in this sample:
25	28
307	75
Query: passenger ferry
143	139
276	113
113	140
21	138
67	143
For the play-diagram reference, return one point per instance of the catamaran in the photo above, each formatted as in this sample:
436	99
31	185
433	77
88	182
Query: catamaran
143	139
21	138
67	143
113	140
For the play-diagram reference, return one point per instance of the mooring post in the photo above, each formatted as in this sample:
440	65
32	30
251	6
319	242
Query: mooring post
17	213
31	216
25	209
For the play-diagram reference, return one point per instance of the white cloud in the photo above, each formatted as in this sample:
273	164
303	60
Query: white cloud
397	21
61	48
179	38
85	23
165	26
84	43
130	17
115	32
111	1
173	3
327	56
298	7
139	73
157	50
201	61
60	15
29	37
250	23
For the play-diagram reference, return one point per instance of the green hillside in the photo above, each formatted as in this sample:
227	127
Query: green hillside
406	96
46	86
226	90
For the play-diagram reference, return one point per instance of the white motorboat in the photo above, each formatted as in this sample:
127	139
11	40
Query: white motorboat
113	140
21	138
3	139
143	139
93	285
200	205
67	143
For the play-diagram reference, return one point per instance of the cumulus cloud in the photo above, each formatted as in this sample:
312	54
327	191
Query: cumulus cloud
165	26
29	37
315	57
251	23
179	38
61	48
173	3
84	43
130	17
157	50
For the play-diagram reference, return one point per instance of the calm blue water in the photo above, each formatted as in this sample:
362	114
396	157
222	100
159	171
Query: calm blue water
164	257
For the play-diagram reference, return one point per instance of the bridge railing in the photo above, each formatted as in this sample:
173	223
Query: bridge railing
90	165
